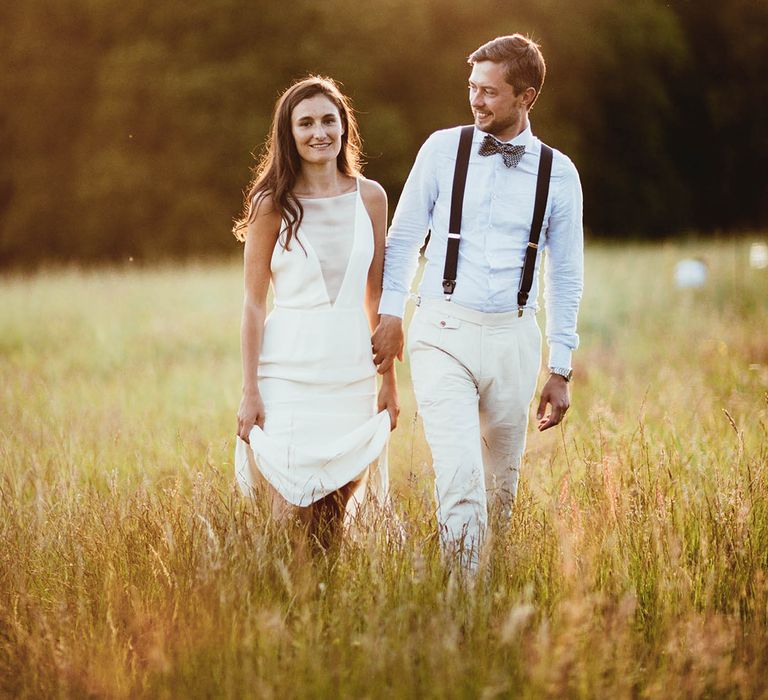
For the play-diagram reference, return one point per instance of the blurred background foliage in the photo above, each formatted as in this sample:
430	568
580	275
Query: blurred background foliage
127	128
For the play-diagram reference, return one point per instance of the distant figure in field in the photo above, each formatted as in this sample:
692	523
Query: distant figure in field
310	422
486	192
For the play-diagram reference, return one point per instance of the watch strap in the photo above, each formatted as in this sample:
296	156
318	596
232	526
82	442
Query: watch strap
564	372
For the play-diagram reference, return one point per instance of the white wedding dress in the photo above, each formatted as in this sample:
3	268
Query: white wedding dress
316	373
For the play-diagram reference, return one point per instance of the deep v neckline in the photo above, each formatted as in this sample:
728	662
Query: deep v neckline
305	240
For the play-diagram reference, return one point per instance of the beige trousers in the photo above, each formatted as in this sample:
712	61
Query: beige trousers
474	376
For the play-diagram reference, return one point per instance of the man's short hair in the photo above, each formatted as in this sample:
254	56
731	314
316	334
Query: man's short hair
522	59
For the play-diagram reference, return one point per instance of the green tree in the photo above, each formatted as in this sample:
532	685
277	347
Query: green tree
127	128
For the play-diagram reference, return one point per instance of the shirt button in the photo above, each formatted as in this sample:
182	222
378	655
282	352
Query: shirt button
442	323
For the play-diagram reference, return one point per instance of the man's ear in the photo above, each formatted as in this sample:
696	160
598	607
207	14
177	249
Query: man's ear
529	96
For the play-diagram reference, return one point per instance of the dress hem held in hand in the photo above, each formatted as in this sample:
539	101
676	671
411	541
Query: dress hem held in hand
303	474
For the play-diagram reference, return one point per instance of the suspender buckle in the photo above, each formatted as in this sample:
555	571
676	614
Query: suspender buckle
533	245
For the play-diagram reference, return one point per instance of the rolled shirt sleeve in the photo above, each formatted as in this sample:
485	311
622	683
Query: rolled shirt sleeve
408	230
564	266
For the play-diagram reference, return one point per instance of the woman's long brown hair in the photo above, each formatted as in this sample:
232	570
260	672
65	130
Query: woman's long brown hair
279	165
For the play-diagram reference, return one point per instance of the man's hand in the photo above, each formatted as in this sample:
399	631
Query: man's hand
387	342
556	394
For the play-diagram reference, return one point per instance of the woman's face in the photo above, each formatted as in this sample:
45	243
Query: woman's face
317	129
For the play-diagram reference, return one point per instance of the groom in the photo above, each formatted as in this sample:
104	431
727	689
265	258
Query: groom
496	200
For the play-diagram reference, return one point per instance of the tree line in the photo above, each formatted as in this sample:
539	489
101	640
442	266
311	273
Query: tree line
127	129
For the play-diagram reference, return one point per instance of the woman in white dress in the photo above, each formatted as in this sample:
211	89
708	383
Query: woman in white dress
312	431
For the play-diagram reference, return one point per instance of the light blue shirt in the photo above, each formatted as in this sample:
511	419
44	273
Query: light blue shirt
495	228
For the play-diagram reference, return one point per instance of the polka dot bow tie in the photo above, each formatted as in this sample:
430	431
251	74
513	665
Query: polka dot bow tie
511	154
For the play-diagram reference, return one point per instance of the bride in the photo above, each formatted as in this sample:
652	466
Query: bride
312	431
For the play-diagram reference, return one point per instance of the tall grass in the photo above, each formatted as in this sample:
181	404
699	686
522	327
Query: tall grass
634	564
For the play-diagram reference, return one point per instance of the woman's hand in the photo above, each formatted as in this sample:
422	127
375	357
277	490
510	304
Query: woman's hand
388	400
251	413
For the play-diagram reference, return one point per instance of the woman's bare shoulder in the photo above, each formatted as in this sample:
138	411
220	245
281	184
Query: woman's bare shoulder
372	192
263	207
264	221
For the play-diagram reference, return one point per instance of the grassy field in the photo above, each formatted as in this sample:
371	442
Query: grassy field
634	566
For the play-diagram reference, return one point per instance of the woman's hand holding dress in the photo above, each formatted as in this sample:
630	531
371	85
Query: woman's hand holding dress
251	413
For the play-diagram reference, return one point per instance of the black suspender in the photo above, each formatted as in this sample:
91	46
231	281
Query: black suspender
542	192
457	203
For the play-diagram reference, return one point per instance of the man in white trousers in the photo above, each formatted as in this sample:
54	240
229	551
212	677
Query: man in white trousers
474	343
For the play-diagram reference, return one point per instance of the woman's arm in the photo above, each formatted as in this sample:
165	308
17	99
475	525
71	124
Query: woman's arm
257	253
375	200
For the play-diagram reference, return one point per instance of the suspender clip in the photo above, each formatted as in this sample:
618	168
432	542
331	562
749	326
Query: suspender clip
448	287
519	311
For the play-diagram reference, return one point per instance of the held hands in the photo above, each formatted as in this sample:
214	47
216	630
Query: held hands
251	413
556	394
387	343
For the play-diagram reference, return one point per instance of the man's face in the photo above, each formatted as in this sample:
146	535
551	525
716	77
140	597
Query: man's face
497	109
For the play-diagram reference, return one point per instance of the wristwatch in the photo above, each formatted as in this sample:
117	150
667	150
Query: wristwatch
564	373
